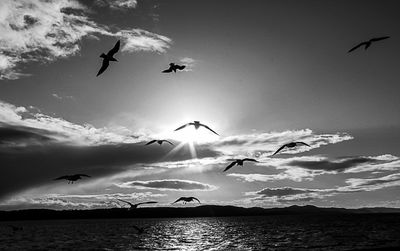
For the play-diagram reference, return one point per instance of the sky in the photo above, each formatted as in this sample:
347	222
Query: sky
260	73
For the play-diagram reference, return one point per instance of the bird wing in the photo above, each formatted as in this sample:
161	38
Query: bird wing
167	70
151	142
82	175
209	129
180	67
355	47
182	127
194	198
62	177
126	202
302	143
115	49
104	66
147	202
247	159
181	198
280	148
379	38
168	142
137	228
230	166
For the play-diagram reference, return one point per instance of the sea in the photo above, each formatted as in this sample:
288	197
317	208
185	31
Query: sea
275	232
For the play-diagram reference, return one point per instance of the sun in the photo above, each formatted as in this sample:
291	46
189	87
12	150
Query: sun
192	135
189	135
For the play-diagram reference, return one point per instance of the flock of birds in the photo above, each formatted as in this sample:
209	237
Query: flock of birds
174	68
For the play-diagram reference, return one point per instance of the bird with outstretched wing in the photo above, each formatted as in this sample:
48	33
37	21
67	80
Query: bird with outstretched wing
108	57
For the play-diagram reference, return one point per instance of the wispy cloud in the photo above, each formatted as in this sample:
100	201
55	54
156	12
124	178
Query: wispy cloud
58	129
59	97
354	185
354	164
117	4
251	177
307	167
371	184
73	201
43	31
265	144
188	62
168	184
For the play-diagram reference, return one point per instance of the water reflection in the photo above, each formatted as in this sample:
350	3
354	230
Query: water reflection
230	233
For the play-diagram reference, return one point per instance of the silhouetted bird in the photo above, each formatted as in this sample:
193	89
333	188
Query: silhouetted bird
173	67
139	229
159	141
196	125
108	57
186	199
72	178
238	162
290	145
15	228
368	43
134	206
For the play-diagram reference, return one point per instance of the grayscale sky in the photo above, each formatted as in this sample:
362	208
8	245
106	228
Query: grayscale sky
260	73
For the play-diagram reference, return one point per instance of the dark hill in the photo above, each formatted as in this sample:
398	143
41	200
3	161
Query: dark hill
181	212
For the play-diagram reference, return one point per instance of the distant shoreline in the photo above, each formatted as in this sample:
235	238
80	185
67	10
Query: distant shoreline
182	212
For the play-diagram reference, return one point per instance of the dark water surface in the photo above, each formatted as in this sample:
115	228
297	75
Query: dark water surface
290	232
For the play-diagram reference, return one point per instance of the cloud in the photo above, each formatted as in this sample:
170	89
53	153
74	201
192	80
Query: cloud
75	201
188	62
327	165
59	97
117	4
45	30
141	40
349	164
354	185
20	136
36	148
280	192
19	119
307	167
264	144
284	195
260	177
168	184
371	184
56	96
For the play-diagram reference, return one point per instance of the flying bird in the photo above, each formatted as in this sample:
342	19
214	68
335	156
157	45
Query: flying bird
368	43
134	206
139	229
186	200
173	67
238	162
72	178
159	141
196	125
15	228
290	145
108	57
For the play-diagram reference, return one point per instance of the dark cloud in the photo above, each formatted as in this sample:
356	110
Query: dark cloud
328	165
169	184
26	167
282	191
19	135
373	183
